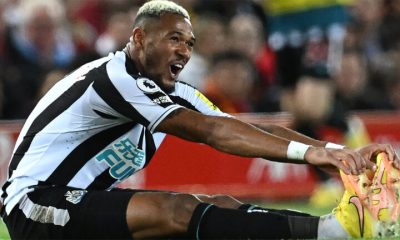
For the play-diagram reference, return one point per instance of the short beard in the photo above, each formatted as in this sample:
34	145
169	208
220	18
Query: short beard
167	90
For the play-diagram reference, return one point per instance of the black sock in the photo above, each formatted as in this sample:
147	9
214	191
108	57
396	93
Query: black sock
300	227
303	227
254	208
197	217
211	222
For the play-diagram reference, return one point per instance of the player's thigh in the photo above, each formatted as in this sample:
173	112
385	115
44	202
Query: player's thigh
158	214
66	213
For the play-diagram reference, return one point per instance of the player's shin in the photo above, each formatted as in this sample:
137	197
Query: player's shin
209	221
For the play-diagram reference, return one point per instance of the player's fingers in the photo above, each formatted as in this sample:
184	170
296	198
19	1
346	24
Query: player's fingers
389	151
359	161
342	165
392	155
349	160
370	165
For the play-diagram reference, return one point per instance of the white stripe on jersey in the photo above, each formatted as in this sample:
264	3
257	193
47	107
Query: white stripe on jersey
197	100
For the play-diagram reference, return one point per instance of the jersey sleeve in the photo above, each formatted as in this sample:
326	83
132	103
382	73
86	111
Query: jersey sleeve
117	94
188	96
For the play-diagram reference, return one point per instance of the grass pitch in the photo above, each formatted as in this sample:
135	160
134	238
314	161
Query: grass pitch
3	231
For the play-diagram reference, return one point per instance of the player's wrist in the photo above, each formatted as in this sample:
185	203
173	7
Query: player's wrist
296	150
334	145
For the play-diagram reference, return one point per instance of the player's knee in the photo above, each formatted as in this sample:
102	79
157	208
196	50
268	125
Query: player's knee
160	214
180	208
221	200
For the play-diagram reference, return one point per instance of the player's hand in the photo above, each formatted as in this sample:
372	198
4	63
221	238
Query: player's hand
347	160
372	150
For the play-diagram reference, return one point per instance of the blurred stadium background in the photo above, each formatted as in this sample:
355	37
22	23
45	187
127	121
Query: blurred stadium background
327	68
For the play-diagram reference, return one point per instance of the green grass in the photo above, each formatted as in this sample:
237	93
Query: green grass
3	231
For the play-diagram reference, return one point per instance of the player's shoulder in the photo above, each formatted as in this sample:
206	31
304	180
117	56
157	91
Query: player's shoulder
183	88
183	84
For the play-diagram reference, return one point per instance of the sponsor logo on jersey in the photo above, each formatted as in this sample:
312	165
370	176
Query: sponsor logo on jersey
154	92
75	196
147	85
161	100
123	157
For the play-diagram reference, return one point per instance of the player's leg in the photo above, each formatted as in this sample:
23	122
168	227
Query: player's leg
50	212
160	214
226	201
152	215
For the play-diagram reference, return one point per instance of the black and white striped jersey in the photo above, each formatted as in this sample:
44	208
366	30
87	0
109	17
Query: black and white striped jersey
95	128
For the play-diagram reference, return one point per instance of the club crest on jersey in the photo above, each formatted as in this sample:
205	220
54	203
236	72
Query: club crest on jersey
124	158
147	85
75	196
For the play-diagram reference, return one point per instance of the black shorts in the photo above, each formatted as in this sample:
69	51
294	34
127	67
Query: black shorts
66	213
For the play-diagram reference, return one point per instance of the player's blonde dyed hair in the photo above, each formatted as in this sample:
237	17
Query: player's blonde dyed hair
156	8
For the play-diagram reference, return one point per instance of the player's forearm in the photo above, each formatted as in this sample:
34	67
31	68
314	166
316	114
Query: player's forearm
228	135
239	138
290	134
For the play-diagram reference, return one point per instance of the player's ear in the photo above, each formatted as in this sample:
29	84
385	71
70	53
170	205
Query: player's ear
138	37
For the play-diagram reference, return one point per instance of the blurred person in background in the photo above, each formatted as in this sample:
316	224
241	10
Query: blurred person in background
83	31
116	33
2	30
393	83
211	39
307	38
372	39
211	21
247	35
37	44
2	53
231	82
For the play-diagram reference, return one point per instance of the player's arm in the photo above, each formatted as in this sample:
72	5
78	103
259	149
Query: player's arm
368	152
290	134
236	137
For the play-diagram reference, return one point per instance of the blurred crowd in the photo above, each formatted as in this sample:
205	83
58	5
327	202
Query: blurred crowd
315	59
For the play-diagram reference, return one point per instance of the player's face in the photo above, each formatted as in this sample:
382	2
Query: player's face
167	48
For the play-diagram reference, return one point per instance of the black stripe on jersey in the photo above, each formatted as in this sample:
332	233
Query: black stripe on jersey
140	142
84	152
131	67
183	102
104	115
4	188
110	94
150	147
49	114
103	181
